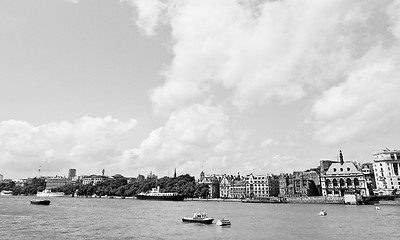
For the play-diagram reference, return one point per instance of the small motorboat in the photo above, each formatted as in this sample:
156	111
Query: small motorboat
377	208
40	202
198	218
323	213
223	222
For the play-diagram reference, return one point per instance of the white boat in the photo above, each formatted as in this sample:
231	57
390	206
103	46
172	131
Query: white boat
6	193
323	213
223	222
49	193
155	194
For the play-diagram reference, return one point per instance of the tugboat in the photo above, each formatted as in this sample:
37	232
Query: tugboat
40	202
155	194
198	218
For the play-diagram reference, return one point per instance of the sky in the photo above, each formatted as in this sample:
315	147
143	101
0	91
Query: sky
220	86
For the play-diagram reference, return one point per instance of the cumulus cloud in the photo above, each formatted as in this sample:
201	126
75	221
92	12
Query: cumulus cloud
258	51
86	144
148	14
192	137
364	103
327	51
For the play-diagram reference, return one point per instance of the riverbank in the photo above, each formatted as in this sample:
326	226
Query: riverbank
299	200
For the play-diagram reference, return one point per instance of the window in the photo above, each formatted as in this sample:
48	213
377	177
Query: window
341	182
348	182
334	182
328	182
334	169
348	169
341	169
356	182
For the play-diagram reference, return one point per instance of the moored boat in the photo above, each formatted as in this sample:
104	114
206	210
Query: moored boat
198	218
155	194
40	202
6	193
49	193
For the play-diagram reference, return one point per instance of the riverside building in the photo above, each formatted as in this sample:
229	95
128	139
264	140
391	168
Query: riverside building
262	186
343	177
386	164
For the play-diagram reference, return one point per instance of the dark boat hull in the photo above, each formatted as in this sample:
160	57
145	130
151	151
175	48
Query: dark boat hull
204	221
40	202
161	198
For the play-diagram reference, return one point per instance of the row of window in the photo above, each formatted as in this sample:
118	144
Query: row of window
342	182
341	169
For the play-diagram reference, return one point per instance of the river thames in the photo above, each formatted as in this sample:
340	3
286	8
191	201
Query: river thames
95	218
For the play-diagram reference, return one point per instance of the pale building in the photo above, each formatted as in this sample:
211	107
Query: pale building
93	179
386	164
224	186
261	186
343	177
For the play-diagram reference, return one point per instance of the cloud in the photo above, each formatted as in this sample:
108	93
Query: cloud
329	52
148	14
192	137
87	144
365	102
259	51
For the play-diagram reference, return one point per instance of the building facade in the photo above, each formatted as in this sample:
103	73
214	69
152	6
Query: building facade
386	165
93	179
261	186
343	177
56	182
71	174
213	183
299	184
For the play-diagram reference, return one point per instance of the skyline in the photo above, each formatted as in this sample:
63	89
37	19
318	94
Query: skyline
139	86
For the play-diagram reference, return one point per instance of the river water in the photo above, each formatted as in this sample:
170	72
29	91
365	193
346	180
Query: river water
94	218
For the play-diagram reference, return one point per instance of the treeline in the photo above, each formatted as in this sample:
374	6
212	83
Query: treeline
119	186
37	184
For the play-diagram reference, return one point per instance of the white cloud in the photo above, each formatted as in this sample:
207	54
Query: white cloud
365	102
339	55
87	144
191	137
258	51
147	14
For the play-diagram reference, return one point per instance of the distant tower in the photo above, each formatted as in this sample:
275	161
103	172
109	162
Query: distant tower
202	176
71	173
175	173
102	172
341	157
